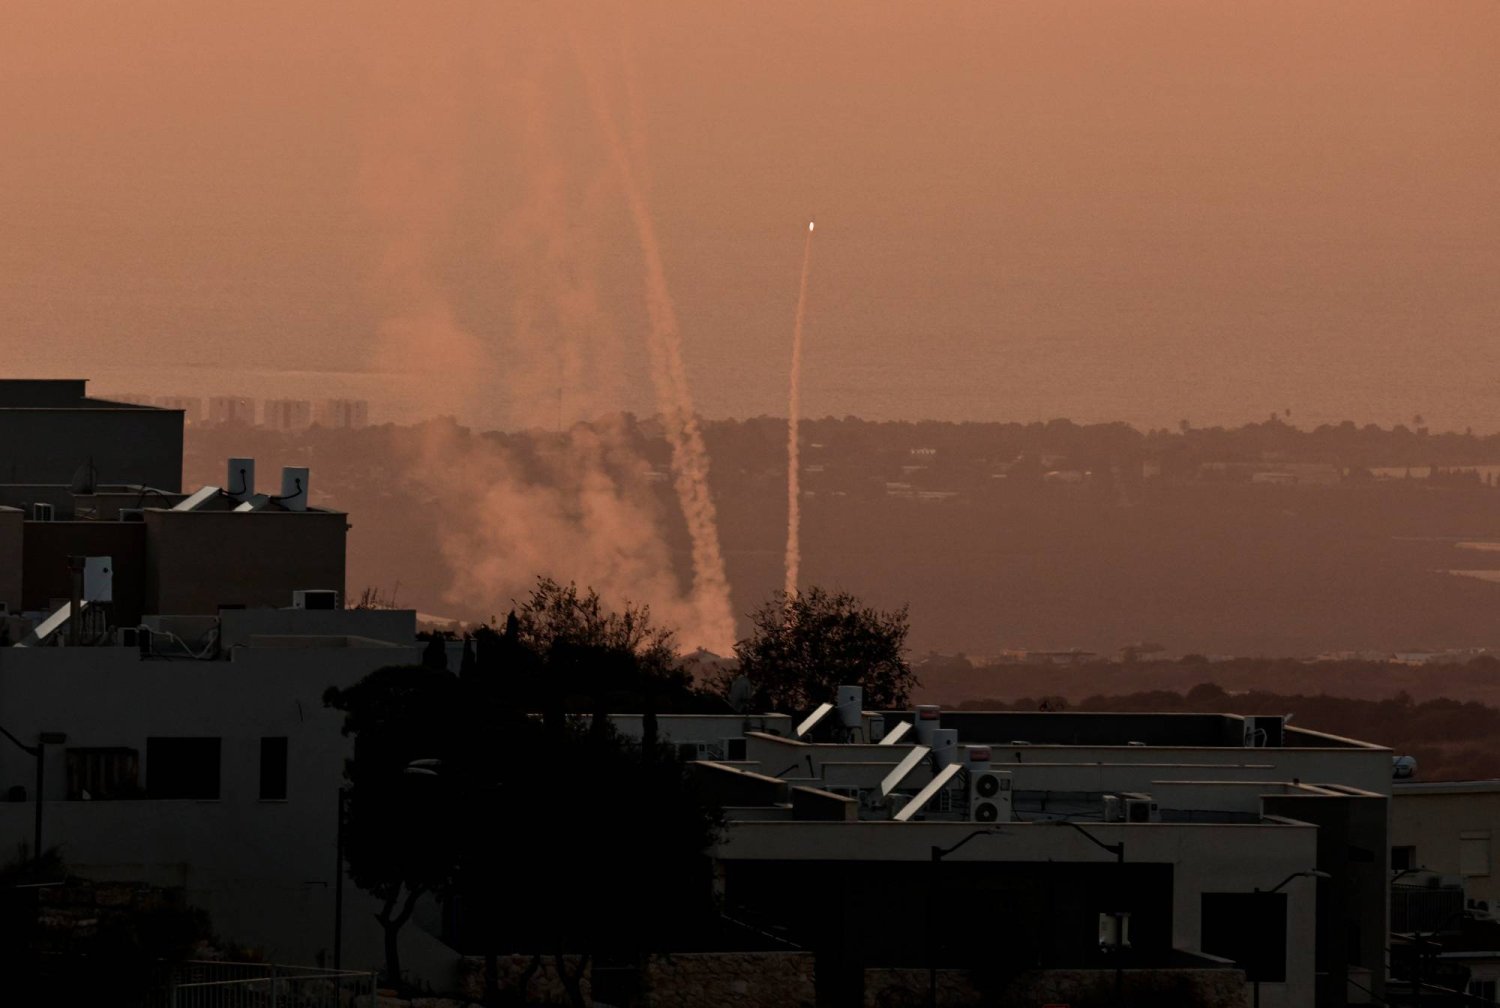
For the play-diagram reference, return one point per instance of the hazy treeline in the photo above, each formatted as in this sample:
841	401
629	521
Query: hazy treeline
1451	739
953	679
958	520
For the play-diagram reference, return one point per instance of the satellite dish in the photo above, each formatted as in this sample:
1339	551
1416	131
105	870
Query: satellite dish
741	693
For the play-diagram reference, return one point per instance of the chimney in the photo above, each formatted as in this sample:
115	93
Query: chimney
293	494
239	482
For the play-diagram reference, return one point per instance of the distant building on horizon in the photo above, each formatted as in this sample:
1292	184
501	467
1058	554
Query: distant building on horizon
286	414
231	410
344	414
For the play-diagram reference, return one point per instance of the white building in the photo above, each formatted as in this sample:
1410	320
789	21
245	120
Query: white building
1217	836
219	774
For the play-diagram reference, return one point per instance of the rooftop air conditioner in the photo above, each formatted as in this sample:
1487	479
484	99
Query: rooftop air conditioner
315	598
41	512
1141	809
990	796
1114	808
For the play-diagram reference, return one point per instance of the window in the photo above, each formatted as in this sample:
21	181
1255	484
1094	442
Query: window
1474	852
1403	858
273	768
103	774
1249	928
182	768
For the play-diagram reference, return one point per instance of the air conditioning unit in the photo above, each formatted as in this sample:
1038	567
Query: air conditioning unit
315	598
42	512
990	796
1114	808
133	514
1141	808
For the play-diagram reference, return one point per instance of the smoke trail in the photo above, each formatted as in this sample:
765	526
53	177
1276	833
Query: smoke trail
580	505
793	415
674	398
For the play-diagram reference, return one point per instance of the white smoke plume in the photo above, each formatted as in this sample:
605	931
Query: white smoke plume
793	452
674	397
577	505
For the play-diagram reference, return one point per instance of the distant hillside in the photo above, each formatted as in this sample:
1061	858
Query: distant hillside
1451	739
1260	540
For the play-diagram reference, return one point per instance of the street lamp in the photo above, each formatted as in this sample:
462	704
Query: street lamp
1310	873
38	752
937	855
1118	850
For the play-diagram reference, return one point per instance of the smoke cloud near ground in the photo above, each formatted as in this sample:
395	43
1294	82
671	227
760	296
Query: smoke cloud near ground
536	338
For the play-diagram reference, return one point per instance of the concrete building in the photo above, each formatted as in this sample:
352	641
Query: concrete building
286	414
165	551
202	756
55	435
1023	838
1450	828
168	657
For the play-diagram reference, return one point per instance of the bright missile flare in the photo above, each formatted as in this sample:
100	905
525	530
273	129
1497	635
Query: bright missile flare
810	225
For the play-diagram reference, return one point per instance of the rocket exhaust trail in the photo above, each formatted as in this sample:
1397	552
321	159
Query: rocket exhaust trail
794	413
674	399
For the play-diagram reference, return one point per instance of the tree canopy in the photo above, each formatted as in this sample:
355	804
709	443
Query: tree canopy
458	790
803	647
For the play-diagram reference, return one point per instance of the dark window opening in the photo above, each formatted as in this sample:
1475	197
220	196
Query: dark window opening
273	768
103	774
182	768
1249	928
1403	858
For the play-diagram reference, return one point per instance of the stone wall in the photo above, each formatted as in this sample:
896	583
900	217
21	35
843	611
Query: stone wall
731	979
1164	988
686	980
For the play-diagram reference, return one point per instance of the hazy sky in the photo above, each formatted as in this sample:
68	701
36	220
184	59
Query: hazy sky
1136	210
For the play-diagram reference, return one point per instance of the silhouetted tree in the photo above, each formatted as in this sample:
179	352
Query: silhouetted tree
804	647
396	841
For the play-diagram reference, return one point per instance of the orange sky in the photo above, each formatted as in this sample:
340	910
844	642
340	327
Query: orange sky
1141	210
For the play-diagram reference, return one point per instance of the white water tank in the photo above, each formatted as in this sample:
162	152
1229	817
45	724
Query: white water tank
239	481
944	747
851	704
293	494
929	717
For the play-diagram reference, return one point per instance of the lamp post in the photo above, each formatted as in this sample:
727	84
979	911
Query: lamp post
38	752
1118	850
937	855
1310	873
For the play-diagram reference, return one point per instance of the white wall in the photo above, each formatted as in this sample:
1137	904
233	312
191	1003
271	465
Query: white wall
1205	858
264	870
